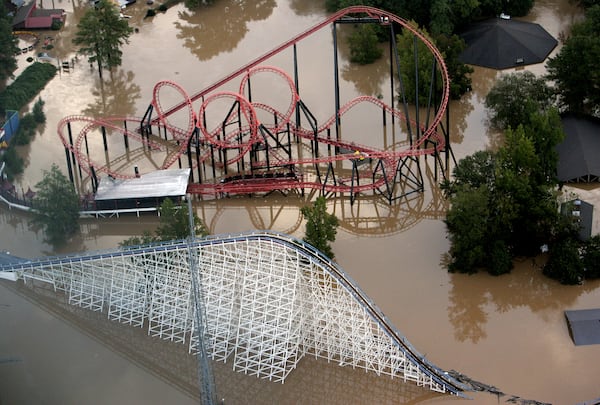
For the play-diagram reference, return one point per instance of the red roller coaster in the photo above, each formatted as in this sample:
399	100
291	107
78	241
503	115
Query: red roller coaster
240	145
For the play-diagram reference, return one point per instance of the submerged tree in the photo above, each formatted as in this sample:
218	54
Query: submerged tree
174	222
575	69
515	97
101	33
174	225
321	227
56	207
364	48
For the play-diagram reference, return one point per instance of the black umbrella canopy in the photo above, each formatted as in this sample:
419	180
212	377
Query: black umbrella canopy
501	43
578	153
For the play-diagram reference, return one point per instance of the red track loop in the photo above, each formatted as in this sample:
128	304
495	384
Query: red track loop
230	122
237	131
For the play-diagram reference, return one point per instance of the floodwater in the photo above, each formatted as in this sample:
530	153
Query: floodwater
509	331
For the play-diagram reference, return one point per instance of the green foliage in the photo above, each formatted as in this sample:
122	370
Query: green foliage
363	43
27	85
518	8
502	203
407	44
56	207
101	33
174	225
574	69
145	239
441	18
451	47
194	4
56	25
27	129
467	224
589	3
546	132
515	97
473	171
570	260
151	12
174	222
26	132
8	45
14	163
38	112
321	227
591	257
564	262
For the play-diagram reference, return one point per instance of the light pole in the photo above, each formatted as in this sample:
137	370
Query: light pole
207	384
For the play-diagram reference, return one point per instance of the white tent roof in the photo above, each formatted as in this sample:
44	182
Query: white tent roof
161	183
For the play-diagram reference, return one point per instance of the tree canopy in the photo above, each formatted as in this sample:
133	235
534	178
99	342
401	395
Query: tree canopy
441	16
515	97
174	225
503	203
321	227
56	207
450	46
574	70
363	43
8	45
101	33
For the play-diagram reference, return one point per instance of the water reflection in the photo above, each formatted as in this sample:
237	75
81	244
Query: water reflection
307	7
369	79
209	40
313	381
459	110
525	286
115	96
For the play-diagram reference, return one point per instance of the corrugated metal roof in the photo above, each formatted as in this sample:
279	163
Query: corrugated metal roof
162	183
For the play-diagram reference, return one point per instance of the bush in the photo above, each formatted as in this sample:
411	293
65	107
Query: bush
364	47
564	262
151	12
25	87
14	163
591	258
56	25
38	112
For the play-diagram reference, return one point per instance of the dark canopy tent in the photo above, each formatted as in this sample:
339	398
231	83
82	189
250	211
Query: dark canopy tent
505	43
579	152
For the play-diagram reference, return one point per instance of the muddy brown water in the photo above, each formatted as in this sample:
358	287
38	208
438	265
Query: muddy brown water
509	331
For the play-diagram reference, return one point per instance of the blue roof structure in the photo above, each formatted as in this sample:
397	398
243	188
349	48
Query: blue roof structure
584	326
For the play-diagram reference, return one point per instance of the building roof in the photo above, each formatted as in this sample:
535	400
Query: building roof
579	152
500	43
22	13
161	183
584	326
583	212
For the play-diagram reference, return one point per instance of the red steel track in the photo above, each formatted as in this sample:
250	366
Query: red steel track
239	132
